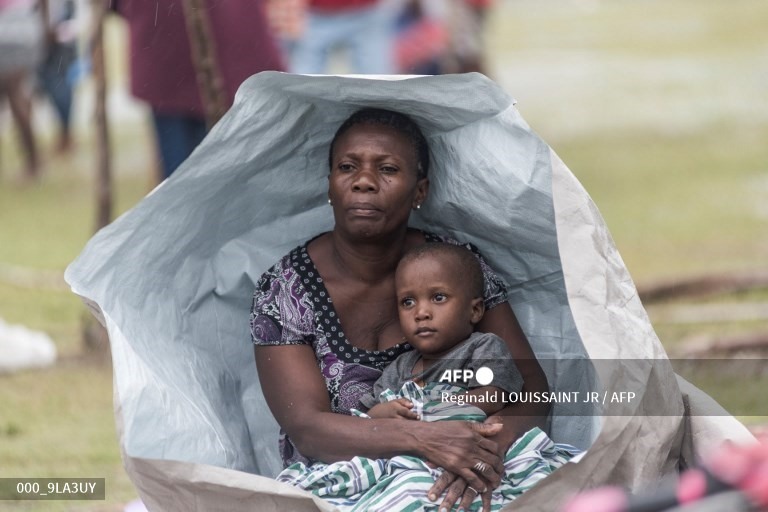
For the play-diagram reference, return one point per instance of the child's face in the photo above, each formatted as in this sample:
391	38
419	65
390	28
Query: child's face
436	308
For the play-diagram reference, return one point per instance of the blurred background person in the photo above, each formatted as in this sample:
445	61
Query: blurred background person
436	37
467	20
363	28
421	38
22	41
60	69
162	64
287	18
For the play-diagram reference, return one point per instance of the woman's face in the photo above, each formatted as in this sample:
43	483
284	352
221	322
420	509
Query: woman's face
373	183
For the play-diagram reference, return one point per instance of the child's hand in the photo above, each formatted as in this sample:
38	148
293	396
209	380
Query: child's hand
400	408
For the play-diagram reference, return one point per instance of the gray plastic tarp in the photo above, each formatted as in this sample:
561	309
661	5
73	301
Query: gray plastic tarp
172	281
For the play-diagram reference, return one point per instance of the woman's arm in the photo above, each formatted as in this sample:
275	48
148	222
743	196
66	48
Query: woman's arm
296	394
520	417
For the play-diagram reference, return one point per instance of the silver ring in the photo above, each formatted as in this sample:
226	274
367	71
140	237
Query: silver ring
481	467
472	489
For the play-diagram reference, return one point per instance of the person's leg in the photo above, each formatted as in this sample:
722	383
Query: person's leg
288	50
20	102
321	35
196	130
177	136
371	39
55	80
171	141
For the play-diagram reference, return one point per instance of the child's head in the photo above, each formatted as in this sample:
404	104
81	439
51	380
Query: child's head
439	290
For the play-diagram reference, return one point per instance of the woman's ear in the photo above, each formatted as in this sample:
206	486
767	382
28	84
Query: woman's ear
422	189
478	310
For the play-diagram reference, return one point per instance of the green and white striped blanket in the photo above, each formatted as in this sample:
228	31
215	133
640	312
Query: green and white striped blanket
401	483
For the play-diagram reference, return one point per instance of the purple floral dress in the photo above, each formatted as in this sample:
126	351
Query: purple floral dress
291	306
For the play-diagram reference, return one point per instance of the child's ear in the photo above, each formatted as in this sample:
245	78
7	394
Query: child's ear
478	310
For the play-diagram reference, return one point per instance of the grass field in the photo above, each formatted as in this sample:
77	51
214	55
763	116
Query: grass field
657	106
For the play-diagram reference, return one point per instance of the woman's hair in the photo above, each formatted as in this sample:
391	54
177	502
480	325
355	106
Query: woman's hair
399	122
463	263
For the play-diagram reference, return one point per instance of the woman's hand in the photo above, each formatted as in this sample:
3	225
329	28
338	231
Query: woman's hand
463	449
458	489
399	408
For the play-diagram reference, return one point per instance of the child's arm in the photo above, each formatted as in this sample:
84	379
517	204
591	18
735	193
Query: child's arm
400	408
494	399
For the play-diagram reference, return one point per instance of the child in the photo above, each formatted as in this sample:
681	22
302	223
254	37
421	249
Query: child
439	290
439	293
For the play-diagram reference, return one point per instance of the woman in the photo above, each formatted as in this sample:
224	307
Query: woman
325	321
23	36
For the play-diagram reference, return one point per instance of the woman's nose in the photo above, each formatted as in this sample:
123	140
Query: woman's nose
365	181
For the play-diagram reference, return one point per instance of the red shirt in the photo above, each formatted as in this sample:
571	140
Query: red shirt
161	69
333	6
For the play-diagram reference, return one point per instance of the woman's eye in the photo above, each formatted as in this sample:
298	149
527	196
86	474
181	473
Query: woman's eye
440	297
345	167
407	302
389	169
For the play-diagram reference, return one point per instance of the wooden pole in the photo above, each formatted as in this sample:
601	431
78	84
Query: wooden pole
103	155
95	336
203	47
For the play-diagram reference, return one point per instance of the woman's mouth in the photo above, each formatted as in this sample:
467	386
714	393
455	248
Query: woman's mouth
363	209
